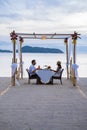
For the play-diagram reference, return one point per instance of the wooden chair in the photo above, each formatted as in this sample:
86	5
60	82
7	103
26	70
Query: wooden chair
59	77
29	77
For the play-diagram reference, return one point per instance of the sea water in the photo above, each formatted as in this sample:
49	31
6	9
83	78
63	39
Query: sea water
42	59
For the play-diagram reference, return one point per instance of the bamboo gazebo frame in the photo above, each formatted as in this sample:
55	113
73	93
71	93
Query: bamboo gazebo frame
14	36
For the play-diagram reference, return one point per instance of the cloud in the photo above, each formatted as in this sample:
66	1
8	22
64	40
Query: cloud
41	16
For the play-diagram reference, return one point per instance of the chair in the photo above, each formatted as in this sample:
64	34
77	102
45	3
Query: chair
59	77
29	77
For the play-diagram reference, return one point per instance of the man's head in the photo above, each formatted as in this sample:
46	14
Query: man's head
33	62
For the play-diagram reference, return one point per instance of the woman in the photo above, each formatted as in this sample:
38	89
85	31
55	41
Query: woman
58	66
57	71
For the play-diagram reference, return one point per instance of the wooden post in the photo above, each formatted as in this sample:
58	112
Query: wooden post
71	69
67	57
74	54
74	61
13	38
21	65
14	61
67	64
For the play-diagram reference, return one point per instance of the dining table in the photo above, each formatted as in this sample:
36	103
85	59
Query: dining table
45	75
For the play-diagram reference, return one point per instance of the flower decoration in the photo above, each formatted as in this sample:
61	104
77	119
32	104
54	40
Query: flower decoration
21	40
49	67
65	40
43	37
13	36
74	37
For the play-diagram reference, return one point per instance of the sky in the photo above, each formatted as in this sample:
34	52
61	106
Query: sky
42	16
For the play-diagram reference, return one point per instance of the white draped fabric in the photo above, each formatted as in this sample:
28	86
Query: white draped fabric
14	67
75	68
45	75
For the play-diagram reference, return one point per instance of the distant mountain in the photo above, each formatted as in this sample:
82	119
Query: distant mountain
7	51
29	49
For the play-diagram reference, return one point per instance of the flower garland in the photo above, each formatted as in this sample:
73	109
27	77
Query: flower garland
65	40
74	37
21	40
13	36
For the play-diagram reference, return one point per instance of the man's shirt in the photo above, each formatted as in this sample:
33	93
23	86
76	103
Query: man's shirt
32	68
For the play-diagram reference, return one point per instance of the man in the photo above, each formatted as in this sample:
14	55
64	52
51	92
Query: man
32	71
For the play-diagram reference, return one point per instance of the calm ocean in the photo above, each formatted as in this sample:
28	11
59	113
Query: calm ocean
42	60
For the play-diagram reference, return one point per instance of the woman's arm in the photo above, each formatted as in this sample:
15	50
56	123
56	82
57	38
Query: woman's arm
58	68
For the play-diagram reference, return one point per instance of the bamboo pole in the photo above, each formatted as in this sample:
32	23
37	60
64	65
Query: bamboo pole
13	61
71	69
74	62
67	65
21	65
13	36
74	54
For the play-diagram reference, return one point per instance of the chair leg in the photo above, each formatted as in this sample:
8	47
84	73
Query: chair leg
61	81
28	81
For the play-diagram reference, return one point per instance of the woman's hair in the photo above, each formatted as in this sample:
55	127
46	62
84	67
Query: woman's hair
59	63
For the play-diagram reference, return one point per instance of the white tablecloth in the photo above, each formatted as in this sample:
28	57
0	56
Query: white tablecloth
45	75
